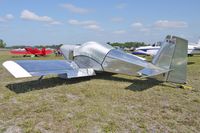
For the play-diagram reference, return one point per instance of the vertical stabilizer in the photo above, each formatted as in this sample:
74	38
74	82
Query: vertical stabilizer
173	56
43	51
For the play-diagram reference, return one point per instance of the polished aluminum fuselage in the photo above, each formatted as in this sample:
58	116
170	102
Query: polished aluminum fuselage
103	57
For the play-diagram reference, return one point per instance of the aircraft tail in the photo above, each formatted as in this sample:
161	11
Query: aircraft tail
43	51
172	56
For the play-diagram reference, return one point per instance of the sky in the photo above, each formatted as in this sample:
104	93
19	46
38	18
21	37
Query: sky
35	22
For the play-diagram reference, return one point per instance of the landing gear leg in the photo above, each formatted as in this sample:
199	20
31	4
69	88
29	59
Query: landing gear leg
40	78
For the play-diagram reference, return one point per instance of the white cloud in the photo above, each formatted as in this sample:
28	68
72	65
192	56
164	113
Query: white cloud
28	15
89	24
121	6
9	16
140	27
170	24
94	27
117	19
73	22
6	18
74	9
119	32
76	22
55	22
137	25
144	29
160	24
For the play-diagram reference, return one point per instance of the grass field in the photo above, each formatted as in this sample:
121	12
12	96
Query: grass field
105	103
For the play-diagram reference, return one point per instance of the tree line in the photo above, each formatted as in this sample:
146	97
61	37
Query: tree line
2	44
115	44
36	46
127	44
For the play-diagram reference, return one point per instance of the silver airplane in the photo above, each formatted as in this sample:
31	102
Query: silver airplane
89	58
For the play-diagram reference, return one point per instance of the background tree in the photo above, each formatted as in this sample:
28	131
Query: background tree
128	44
2	44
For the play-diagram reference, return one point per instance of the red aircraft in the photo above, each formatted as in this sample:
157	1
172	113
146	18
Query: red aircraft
31	51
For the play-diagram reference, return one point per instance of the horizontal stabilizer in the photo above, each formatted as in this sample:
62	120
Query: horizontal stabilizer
30	68
148	72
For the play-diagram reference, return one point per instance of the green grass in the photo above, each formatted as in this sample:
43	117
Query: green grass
104	103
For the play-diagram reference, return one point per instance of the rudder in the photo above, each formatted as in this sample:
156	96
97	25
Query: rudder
173	56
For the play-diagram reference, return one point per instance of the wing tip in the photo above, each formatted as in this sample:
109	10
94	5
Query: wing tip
16	70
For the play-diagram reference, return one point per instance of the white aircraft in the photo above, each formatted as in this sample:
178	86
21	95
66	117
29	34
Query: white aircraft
193	49
148	50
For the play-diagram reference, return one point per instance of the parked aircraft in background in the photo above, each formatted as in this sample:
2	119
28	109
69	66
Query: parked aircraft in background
148	50
32	51
84	60
193	49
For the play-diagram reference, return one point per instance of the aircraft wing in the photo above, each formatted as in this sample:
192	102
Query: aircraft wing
30	68
49	51
23	52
